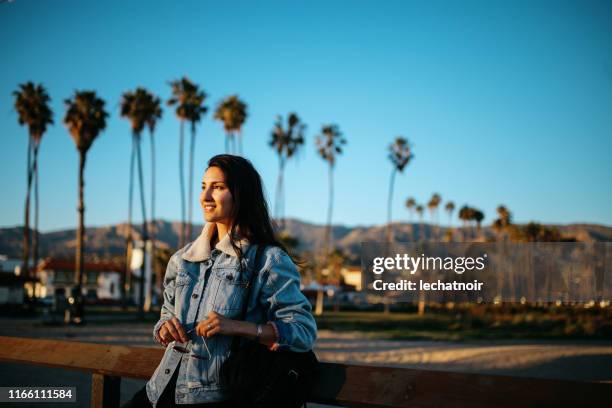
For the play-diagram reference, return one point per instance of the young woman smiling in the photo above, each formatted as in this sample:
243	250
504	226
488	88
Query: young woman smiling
205	286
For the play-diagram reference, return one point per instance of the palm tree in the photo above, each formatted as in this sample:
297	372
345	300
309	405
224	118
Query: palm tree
478	216
419	210
286	142
233	113
432	206
503	221
153	112
32	105
85	119
189	101
329	145
450	208
137	107
400	154
410	203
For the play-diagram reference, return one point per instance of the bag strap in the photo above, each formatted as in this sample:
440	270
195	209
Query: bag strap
245	305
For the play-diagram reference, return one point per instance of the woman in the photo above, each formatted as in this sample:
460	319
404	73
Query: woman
205	286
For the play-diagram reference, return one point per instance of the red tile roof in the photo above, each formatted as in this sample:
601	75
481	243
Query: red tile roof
62	264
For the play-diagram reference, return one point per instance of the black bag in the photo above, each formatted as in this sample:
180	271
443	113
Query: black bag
260	378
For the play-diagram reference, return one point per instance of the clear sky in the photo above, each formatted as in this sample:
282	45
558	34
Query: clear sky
504	101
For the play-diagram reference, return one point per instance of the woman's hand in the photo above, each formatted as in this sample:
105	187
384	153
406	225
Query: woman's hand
172	330
215	324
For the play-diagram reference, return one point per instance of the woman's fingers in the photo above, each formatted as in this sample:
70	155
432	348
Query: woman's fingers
213	331
179	333
203	327
172	330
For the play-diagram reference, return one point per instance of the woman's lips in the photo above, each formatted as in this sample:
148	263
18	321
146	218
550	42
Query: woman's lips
209	208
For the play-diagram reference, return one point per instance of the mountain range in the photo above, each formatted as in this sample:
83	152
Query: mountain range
105	242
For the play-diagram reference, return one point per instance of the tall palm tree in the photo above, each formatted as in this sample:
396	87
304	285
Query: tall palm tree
410	203
136	107
153	113
189	101
286	142
233	113
432	206
400	154
420	210
32	106
503	221
477	217
450	208
85	119
329	145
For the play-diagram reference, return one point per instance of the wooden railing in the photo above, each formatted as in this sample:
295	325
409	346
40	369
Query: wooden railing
338	384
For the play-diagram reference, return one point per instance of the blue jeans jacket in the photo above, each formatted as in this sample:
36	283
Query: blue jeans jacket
199	280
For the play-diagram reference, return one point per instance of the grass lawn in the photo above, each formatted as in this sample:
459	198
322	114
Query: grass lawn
473	323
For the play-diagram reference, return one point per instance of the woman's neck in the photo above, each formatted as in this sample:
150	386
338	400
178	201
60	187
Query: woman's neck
222	230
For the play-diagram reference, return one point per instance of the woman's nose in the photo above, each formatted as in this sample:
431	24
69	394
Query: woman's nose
207	194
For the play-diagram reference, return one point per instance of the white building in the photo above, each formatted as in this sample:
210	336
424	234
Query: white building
101	280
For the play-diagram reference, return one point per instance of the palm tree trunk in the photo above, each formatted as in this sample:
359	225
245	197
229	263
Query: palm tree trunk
158	277
145	235
80	312
328	229
239	137
127	283
25	267
190	199
389	205
36	210
182	184
328	240
279	194
227	139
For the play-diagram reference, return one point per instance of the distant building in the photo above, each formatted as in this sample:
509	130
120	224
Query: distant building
10	265
350	277
11	285
101	280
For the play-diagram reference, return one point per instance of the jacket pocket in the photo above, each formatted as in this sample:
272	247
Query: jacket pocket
231	289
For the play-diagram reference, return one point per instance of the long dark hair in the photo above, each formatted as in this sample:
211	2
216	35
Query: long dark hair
250	211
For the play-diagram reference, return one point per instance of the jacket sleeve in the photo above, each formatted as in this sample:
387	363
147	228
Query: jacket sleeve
288	309
167	309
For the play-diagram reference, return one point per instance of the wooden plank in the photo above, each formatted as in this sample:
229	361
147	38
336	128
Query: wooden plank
367	386
347	385
119	361
105	391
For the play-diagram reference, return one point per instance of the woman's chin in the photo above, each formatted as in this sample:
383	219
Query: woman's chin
210	217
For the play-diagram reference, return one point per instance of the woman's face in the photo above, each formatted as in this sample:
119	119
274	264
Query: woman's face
216	200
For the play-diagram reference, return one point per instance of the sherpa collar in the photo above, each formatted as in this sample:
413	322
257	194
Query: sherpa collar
200	249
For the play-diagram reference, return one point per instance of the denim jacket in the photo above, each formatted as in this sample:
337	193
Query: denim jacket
199	280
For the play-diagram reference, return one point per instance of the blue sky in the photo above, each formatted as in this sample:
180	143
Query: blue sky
504	101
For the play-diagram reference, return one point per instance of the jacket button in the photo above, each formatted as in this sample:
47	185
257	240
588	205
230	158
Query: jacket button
195	296
167	371
230	277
